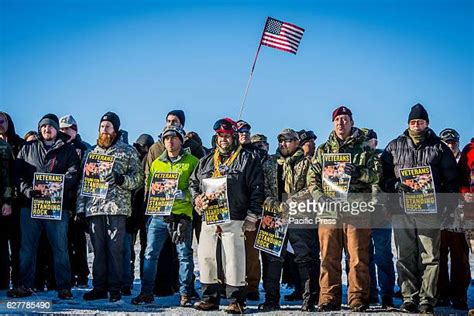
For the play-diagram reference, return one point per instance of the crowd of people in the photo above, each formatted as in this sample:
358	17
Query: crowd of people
38	254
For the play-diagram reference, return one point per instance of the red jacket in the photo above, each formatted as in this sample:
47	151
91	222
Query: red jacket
466	167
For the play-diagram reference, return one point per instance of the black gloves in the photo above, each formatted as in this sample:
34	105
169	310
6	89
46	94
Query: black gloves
352	170
116	178
177	225
33	194
402	187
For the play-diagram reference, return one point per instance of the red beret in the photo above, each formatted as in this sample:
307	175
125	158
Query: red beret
341	111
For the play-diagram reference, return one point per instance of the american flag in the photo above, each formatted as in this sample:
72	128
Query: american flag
282	35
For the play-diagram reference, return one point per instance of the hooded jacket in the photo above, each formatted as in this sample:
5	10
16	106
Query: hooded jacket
60	158
6	169
15	141
244	183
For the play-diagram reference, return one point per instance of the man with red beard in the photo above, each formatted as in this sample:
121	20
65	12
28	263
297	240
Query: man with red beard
107	216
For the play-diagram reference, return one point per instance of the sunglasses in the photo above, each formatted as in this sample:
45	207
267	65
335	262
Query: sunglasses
224	125
285	140
244	130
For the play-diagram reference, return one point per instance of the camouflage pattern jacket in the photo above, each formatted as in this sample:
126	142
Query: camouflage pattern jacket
362	156
270	187
118	200
291	180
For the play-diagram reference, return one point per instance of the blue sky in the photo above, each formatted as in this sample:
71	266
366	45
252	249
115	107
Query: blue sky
141	59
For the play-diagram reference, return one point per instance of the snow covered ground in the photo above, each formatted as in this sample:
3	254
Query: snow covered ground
168	305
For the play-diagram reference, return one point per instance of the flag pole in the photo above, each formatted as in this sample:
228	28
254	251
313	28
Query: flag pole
251	74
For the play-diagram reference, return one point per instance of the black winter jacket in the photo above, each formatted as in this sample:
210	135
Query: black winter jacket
402	153
15	141
244	183
61	158
258	153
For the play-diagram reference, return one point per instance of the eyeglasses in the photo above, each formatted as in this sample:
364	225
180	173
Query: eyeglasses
244	130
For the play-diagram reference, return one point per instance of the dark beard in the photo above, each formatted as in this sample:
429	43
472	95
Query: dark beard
106	140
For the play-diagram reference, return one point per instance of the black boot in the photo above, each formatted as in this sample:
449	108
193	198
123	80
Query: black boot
387	301
310	286
294	296
269	306
19	291
271	278
94	294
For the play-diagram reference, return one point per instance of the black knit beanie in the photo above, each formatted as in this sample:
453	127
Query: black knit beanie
179	114
418	112
49	119
112	118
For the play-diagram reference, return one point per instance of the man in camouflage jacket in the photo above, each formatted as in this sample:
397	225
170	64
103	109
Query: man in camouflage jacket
107	216
351	232
285	178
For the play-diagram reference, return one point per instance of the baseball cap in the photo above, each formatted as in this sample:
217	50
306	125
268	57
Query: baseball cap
67	121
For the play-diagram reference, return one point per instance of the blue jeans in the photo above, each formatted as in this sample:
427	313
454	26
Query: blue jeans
157	233
380	250
57	232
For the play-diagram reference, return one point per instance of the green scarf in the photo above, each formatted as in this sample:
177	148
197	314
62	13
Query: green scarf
418	137
288	164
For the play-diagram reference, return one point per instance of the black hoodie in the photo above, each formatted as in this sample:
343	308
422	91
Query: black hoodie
15	141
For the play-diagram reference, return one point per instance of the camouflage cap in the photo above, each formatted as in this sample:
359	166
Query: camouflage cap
256	138
288	134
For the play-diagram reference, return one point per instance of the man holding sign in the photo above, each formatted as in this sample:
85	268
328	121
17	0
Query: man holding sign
170	204
237	192
112	170
48	154
343	169
419	153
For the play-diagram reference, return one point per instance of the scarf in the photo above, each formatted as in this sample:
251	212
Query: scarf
418	137
220	168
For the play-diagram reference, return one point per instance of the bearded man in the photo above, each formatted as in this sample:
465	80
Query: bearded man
107	216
